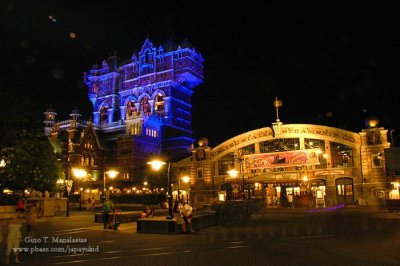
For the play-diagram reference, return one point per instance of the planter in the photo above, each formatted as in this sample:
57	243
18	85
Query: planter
393	205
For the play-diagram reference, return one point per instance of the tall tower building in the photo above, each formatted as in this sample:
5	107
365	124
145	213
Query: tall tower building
144	104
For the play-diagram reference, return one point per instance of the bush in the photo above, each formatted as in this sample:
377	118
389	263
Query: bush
6	199
139	199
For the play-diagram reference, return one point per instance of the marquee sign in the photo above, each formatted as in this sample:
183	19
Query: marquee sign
281	159
294	130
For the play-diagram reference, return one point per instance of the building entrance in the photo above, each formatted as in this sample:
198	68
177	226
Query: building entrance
344	191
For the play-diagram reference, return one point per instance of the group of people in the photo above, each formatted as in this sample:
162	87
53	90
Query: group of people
24	210
183	214
111	216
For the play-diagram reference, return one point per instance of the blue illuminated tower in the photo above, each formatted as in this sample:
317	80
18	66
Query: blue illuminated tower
144	104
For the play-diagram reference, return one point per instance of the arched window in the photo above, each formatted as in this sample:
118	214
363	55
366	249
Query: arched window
103	114
145	106
131	110
159	104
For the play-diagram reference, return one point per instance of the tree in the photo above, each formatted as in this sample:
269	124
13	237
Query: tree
31	163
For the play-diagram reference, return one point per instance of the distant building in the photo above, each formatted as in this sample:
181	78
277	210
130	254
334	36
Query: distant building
141	107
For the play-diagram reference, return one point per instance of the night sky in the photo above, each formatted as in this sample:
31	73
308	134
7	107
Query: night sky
330	62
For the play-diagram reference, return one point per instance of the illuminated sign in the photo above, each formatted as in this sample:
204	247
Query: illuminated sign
288	131
281	159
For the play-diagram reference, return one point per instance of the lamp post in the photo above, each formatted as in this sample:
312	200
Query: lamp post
60	184
80	174
156	165
185	179
111	174
68	186
234	173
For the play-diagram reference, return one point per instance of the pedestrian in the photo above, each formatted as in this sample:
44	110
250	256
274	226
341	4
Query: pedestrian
89	204
107	208
187	214
290	201
92	206
178	216
12	241
20	208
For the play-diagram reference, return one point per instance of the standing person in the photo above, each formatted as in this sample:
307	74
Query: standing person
107	208
13	239
92	206
20	208
186	211
89	205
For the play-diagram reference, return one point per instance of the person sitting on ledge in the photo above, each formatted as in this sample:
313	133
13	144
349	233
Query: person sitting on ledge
147	213
186	211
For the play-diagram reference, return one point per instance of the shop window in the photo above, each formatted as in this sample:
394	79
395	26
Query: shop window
341	155
296	191
344	187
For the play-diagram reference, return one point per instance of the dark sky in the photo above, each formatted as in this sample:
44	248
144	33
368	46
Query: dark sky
331	62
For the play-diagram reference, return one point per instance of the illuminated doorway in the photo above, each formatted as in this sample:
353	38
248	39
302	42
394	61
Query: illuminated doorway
344	190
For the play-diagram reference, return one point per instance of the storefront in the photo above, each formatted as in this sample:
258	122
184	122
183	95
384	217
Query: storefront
299	164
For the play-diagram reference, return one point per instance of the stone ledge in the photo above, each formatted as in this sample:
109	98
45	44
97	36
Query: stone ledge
127	216
162	225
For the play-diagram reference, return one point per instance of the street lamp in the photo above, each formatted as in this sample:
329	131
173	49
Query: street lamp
60	184
234	173
111	174
185	179
156	165
80	174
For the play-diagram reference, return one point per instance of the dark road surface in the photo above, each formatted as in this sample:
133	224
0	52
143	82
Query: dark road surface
345	237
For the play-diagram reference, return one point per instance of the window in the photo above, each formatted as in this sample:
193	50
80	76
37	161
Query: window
377	160
145	106
250	149
226	163
341	155
131	110
103	114
320	145
278	145
159	104
344	186
200	172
